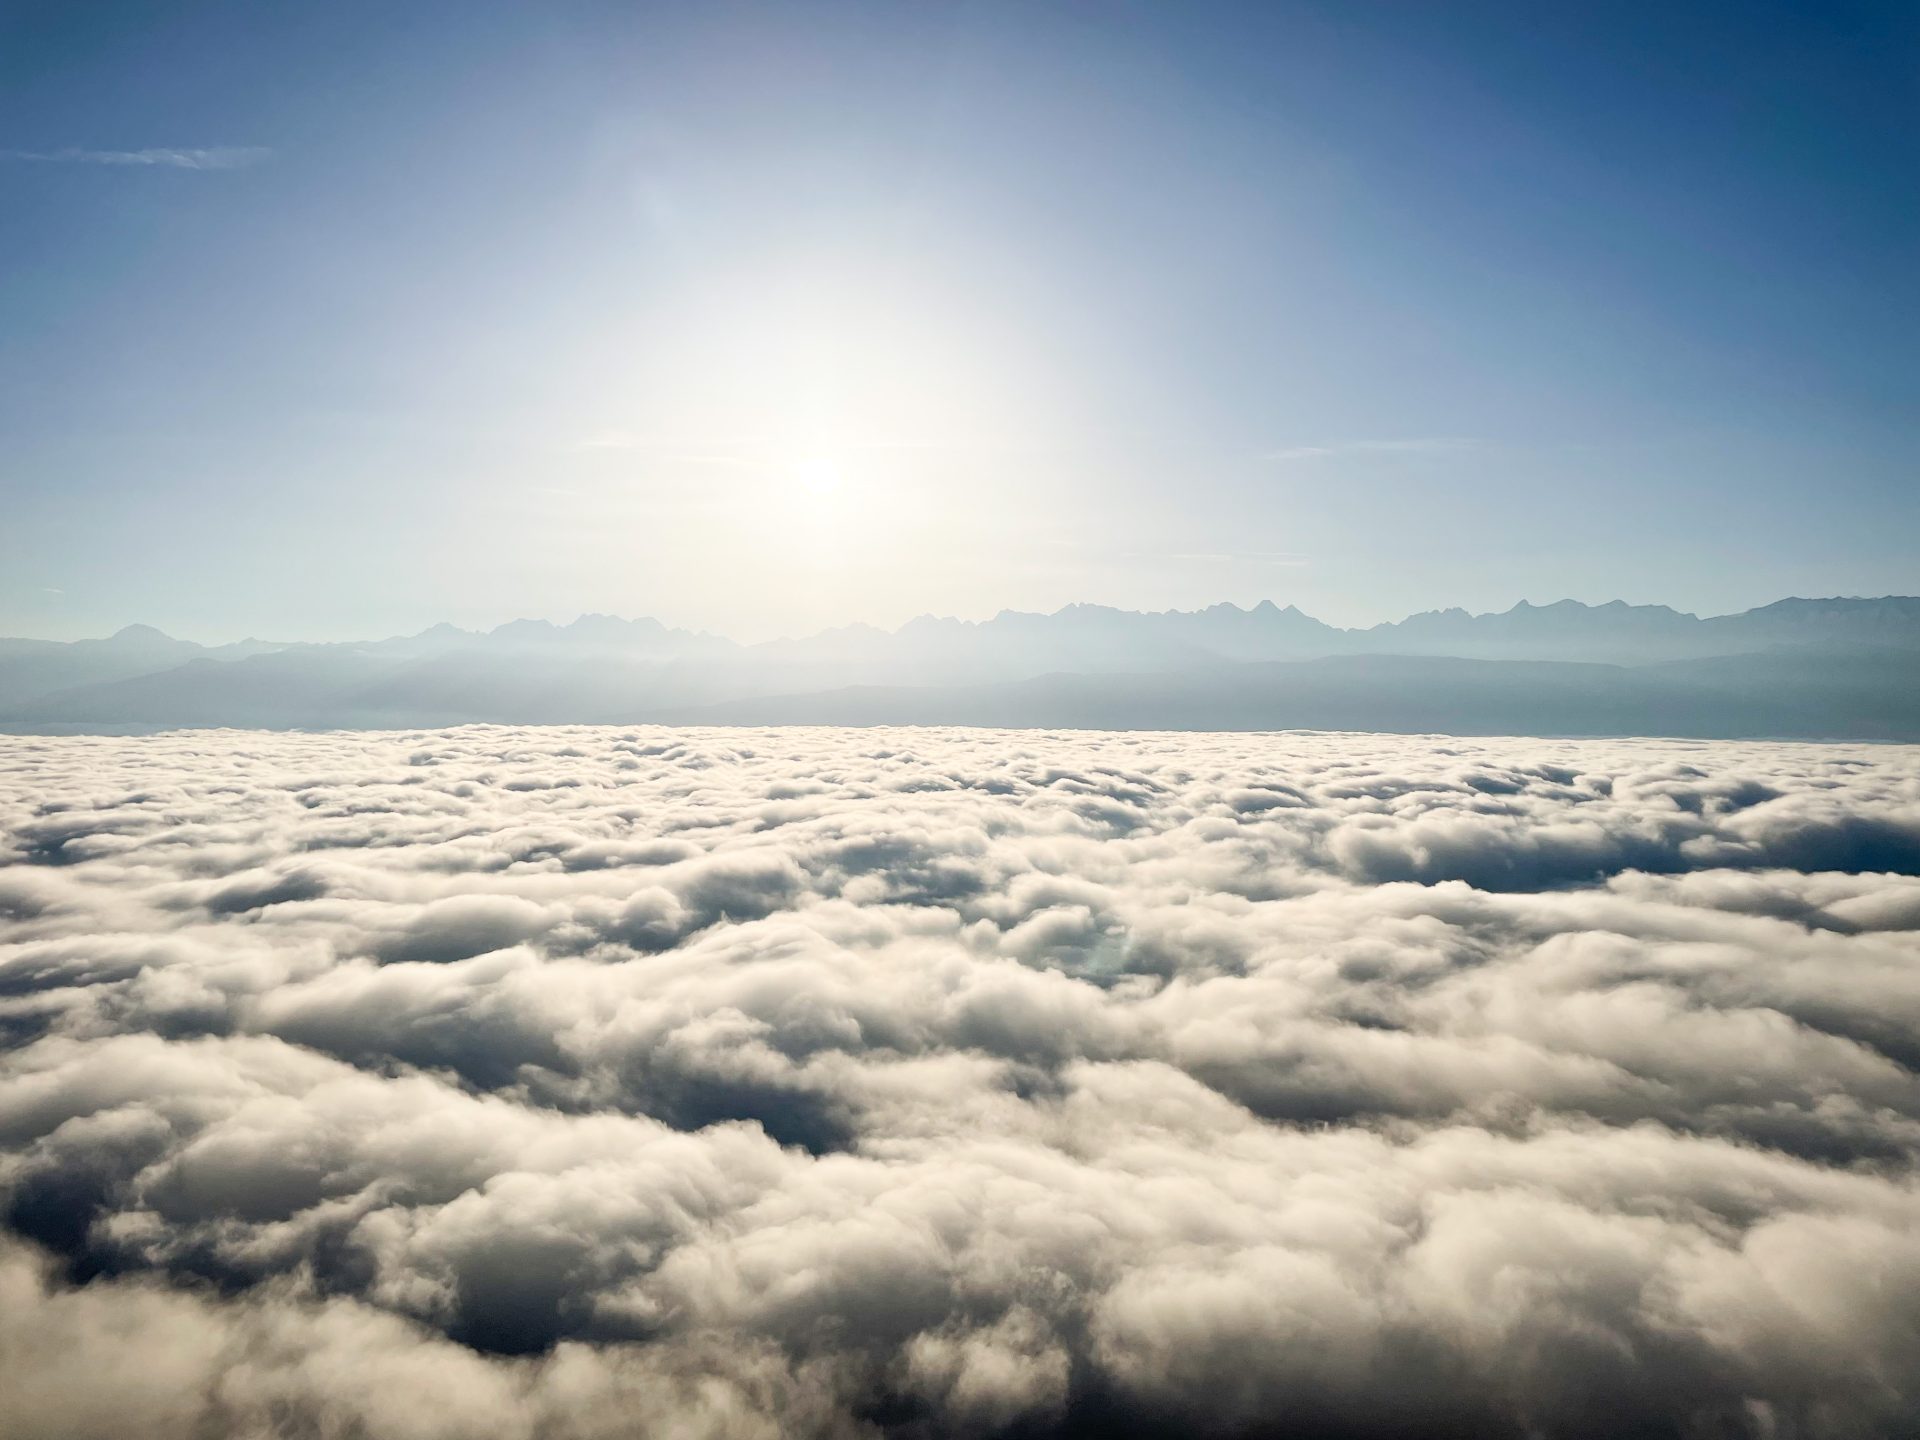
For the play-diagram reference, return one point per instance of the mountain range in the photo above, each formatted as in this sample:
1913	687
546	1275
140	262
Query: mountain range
1832	668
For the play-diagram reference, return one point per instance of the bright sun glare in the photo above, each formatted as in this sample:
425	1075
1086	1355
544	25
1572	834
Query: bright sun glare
817	476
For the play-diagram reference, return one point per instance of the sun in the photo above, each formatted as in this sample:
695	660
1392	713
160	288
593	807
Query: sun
817	476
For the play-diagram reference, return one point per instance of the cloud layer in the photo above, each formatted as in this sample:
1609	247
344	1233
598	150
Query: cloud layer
582	1082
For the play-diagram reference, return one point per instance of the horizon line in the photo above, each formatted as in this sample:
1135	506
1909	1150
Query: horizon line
1267	604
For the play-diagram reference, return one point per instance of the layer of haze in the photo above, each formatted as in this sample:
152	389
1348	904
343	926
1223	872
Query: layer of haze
348	319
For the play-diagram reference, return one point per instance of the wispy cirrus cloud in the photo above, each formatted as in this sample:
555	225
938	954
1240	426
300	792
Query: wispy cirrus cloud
214	157
1338	449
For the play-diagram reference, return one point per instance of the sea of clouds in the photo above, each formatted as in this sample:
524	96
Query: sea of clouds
601	1082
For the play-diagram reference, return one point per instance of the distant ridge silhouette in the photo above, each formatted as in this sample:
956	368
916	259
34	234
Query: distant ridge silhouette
1840	667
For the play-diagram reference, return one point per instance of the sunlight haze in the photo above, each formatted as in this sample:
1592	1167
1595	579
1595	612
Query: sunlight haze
468	313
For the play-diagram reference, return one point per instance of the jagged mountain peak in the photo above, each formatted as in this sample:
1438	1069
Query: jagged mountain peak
1083	637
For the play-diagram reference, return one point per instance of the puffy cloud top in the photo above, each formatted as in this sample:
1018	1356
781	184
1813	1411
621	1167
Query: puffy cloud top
594	1082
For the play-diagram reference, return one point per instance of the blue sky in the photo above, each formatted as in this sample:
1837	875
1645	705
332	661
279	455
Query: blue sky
340	320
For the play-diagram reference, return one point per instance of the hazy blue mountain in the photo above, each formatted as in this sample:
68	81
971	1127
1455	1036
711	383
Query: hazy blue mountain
297	687
1615	633
30	668
1890	621
1836	666
1098	637
1618	633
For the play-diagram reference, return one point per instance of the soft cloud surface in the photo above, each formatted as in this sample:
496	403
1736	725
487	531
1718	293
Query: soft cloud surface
591	1082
